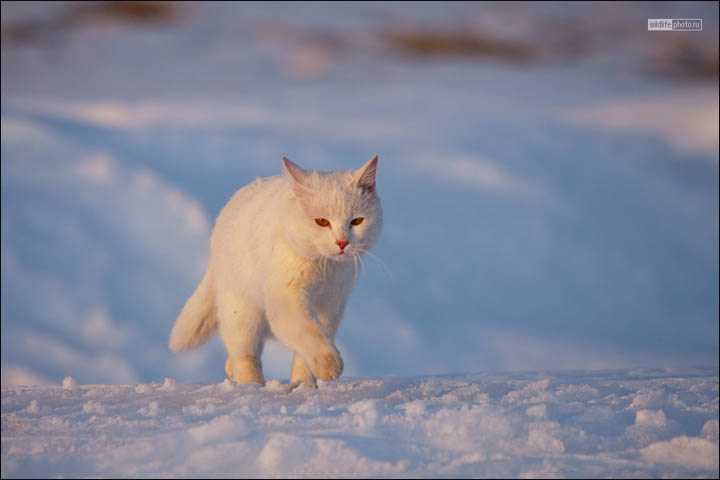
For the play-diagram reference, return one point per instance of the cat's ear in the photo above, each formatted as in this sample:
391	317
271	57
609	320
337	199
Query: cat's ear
297	176
365	175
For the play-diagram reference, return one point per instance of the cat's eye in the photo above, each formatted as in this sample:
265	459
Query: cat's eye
357	221
322	222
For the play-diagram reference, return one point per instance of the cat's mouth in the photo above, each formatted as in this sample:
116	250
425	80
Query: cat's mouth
341	256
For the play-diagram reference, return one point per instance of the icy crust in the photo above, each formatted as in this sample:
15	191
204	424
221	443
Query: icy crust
619	424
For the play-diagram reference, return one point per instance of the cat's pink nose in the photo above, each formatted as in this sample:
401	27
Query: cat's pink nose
341	244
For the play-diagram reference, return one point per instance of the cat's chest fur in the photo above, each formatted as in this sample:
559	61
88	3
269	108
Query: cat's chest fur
318	279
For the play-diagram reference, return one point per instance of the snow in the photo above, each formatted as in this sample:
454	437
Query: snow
524	425
692	453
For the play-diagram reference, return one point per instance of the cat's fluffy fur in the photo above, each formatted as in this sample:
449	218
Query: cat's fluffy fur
274	271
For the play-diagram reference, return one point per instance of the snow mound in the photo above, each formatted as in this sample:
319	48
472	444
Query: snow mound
69	383
636	423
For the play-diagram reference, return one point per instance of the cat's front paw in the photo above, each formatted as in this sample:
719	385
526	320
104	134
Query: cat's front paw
327	366
301	374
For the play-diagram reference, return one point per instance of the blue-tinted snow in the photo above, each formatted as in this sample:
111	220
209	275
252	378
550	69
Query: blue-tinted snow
642	423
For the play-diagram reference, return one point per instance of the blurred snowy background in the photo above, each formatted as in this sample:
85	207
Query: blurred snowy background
549	174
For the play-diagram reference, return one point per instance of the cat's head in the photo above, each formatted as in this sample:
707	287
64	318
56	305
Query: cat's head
335	215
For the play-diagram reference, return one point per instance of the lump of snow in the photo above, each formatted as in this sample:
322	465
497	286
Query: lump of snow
541	441
200	408
93	406
274	384
710	431
33	407
220	429
448	398
226	386
309	408
537	411
532	392
415	408
366	413
648	399
468	428
151	410
650	418
290	456
282	452
689	452
70	384
334	458
168	386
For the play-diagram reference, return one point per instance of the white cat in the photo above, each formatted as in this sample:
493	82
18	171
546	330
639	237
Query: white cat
283	260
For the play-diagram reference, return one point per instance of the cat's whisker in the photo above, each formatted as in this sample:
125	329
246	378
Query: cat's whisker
324	264
355	261
362	265
365	251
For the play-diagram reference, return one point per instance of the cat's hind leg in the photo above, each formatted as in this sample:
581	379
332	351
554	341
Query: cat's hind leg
243	332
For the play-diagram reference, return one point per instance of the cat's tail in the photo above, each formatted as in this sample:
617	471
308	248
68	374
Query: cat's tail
197	321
